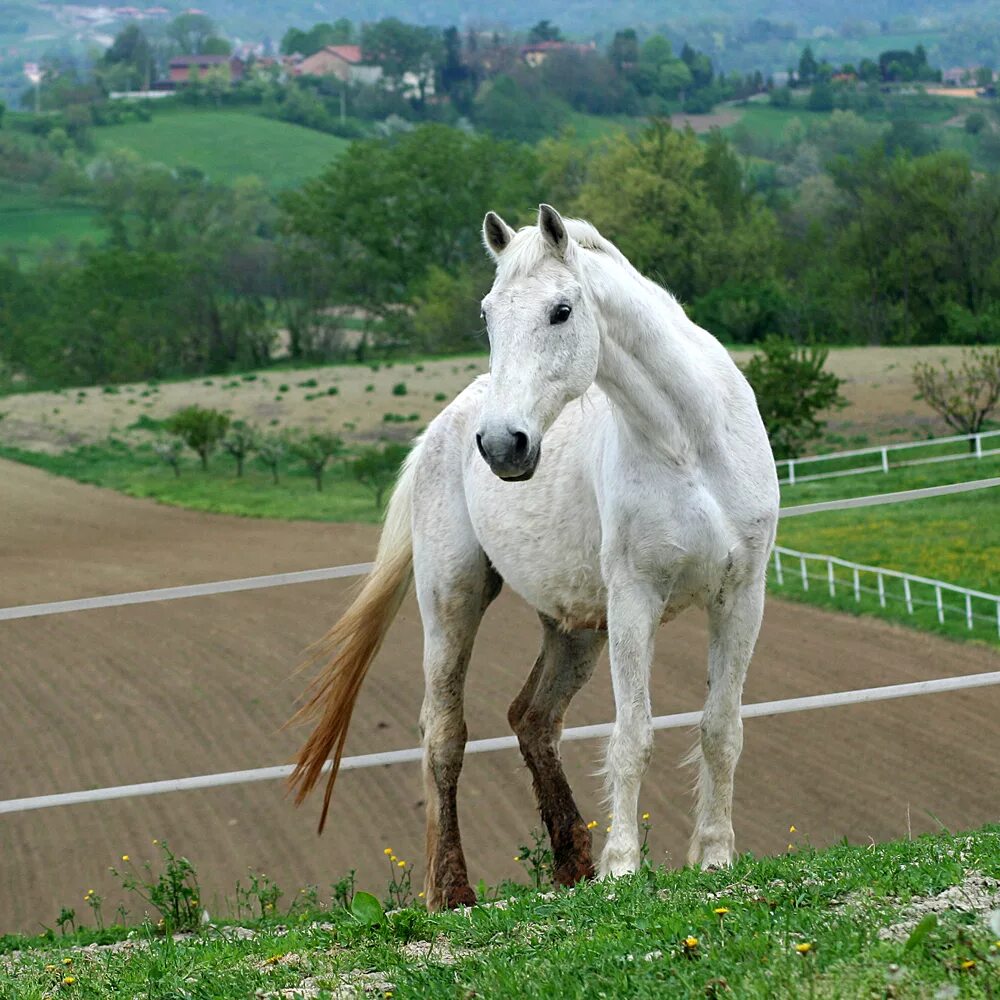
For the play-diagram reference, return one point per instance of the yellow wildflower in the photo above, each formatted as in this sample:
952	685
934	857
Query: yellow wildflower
67	961
69	980
803	947
607	829
645	816
592	824
50	968
420	895
400	864
393	858
721	911
791	829
690	942
791	847
968	964
156	843
125	857
387	851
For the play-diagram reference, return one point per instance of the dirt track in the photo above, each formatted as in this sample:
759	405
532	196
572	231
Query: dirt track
157	691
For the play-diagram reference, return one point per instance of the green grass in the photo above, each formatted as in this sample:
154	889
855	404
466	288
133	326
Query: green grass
588	129
620	939
30	221
138	472
952	538
226	145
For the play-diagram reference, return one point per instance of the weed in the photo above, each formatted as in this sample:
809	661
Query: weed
369	387
399	389
537	859
283	387
259	899
332	390
440	397
172	892
343	890
309	383
418	368
66	918
95	902
399	890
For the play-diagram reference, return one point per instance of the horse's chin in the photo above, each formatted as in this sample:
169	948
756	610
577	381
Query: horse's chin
522	477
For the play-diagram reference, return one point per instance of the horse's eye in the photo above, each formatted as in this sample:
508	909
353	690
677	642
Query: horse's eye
560	314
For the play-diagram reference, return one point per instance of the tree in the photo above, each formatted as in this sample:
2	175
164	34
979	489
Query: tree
271	450
190	32
239	442
544	31
807	66
792	389
315	450
376	468
402	49
169	451
131	51
964	398
623	52
821	96
200	428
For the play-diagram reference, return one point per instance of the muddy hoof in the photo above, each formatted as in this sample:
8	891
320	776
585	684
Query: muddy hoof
459	895
571	872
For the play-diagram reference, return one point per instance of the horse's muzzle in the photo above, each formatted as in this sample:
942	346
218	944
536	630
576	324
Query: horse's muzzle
511	456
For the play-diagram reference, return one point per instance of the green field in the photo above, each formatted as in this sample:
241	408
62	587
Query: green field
803	925
226	145
954	538
31	222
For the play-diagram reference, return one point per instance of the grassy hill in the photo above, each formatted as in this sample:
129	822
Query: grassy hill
226	145
907	919
31	221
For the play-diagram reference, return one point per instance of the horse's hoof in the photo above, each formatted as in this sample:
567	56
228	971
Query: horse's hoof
459	895
571	872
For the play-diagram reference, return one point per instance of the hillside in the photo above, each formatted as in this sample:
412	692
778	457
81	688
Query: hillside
226	145
906	919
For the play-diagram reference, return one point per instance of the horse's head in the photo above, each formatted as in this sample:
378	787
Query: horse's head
544	340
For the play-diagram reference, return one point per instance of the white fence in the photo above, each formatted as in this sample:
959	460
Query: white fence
882	458
910	595
763	709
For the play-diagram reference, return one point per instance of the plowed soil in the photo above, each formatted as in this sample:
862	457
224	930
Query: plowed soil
195	686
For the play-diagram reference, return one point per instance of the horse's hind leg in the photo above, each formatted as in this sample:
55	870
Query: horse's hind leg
734	622
565	663
455	585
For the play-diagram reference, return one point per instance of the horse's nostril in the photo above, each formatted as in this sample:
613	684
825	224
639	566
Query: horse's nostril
479	445
520	444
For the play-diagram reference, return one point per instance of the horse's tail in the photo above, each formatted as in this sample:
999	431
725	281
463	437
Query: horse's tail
353	643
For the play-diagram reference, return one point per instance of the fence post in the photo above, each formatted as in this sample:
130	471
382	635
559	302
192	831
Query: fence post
940	606
881	590
968	610
805	575
909	596
857	584
791	472
979	446
885	459
829	577
777	568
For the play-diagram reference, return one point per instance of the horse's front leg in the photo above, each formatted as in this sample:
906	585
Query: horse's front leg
634	611
734	621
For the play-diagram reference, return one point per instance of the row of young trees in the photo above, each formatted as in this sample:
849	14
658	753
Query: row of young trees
205	431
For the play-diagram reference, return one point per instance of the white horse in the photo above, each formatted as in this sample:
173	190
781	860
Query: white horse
655	491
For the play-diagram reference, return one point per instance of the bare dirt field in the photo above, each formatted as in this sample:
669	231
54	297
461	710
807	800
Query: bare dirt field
877	383
194	686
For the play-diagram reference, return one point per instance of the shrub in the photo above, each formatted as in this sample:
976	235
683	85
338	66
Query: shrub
315	450
239	442
399	389
964	398
792	390
200	428
376	468
271	450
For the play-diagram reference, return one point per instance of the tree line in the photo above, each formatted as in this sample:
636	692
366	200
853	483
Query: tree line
869	246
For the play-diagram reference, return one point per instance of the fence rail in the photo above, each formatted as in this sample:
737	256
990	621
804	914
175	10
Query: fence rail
912	585
758	710
974	449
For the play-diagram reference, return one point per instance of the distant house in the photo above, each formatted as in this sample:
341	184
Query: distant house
537	53
957	75
341	61
184	69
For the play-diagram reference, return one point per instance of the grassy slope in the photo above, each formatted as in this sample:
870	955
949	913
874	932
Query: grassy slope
621	939
226	145
31	221
955	539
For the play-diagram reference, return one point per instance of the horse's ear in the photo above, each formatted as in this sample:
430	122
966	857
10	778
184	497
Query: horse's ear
552	227
496	234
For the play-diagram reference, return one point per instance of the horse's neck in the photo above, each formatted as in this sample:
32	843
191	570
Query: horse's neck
651	366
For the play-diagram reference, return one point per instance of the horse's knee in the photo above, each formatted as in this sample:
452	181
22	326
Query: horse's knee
630	749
